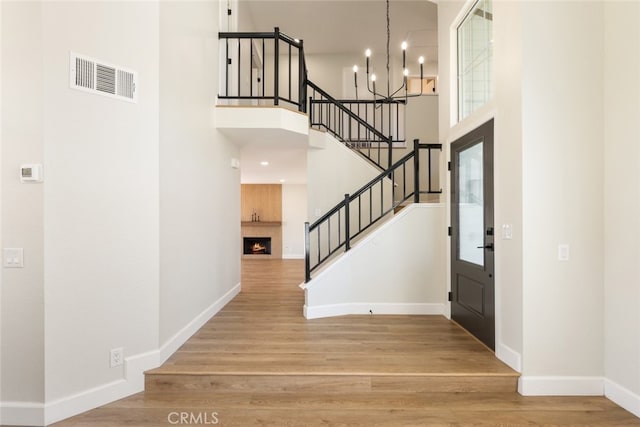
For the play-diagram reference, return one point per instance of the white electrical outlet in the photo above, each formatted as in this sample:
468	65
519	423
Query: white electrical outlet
116	357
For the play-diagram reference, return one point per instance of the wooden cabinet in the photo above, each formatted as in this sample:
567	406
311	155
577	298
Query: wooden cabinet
265	200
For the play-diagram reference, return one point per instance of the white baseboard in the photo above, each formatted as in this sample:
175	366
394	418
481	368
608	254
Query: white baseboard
512	358
561	386
22	413
377	308
622	396
174	343
37	414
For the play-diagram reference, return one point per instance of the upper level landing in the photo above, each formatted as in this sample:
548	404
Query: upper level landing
269	126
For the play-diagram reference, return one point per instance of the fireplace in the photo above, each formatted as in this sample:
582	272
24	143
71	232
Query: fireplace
257	245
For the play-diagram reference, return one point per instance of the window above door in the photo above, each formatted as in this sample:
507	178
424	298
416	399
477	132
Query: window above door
475	58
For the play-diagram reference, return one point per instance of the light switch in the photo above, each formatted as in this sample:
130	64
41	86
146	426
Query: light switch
13	258
563	252
507	232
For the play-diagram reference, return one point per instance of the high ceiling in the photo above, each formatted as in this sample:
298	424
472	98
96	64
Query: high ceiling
339	27
350	26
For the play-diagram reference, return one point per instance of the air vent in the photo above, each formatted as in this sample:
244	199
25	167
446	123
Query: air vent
83	76
98	77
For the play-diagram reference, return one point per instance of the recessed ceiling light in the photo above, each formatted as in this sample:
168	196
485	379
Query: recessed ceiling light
282	180
264	163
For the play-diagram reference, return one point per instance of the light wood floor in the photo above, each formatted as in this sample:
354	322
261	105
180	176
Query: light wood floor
259	362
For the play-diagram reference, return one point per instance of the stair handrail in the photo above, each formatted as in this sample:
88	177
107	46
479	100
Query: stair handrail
382	137
388	174
377	103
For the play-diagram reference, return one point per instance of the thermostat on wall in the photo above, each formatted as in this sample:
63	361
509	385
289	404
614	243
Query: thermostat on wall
31	173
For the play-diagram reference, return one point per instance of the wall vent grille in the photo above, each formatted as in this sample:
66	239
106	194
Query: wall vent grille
98	77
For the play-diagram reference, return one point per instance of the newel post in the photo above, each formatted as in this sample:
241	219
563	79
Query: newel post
416	171
307	254
276	66
347	222
302	80
390	160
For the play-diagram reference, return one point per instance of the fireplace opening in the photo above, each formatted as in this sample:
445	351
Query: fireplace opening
257	246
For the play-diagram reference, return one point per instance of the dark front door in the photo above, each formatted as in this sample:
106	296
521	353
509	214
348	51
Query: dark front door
472	234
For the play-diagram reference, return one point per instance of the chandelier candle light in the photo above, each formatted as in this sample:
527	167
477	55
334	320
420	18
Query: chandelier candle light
390	96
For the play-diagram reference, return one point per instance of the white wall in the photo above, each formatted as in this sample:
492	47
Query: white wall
294	215
199	191
562	126
327	71
622	203
400	269
22	292
101	196
508	162
332	172
132	239
422	120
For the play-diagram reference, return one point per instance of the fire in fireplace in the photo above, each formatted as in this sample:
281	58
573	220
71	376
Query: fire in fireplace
257	246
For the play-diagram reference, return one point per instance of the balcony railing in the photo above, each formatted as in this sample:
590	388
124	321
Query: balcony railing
263	68
270	69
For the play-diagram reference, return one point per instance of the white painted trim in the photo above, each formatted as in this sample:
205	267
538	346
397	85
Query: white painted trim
174	343
133	382
21	413
509	356
622	396
561	386
88	399
377	308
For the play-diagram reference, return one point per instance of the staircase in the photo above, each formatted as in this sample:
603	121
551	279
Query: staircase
369	127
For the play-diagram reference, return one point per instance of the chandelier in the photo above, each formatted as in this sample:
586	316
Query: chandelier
398	94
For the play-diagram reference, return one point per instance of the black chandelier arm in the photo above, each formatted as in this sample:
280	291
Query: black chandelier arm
373	92
404	86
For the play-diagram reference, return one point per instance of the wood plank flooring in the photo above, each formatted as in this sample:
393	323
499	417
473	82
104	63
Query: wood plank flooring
259	362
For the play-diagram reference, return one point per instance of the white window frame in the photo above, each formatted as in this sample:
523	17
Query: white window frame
485	90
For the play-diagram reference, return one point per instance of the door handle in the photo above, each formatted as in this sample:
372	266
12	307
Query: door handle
487	246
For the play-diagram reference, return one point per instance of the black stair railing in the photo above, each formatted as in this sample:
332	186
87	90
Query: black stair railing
357	212
384	115
247	76
335	117
270	68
